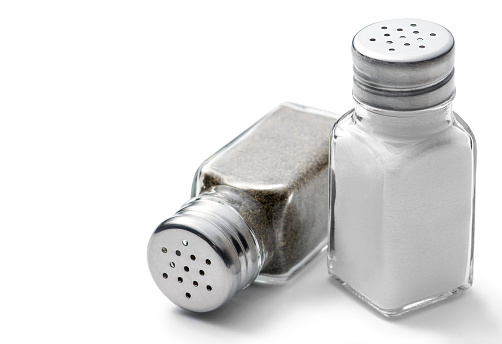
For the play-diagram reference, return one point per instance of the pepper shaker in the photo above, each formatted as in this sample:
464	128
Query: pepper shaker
259	212
402	172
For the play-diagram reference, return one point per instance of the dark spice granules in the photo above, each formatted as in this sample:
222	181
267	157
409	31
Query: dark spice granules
275	175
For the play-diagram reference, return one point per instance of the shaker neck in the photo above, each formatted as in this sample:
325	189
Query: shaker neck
403	125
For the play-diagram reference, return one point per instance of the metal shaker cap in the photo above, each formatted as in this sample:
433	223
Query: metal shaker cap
403	64
203	255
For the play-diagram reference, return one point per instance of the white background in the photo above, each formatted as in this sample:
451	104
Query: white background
108	107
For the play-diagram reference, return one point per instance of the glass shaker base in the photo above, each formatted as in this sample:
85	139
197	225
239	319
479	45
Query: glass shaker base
394	312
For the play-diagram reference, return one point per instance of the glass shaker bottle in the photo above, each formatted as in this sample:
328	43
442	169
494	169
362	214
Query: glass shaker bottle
402	172
258	212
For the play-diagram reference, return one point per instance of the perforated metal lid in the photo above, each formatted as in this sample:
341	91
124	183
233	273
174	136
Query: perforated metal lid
203	255
403	64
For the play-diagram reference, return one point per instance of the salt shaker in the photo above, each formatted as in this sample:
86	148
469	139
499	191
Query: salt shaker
402	172
259	212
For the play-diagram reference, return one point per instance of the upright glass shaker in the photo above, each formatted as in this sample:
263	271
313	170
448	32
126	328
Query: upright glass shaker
402	172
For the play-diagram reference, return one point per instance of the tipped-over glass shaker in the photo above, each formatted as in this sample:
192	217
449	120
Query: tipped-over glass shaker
402	172
259	212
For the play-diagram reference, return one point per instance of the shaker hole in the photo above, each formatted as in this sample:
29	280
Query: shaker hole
416	32
188	295
407	44
195	283
433	34
420	39
372	39
389	42
180	279
172	264
384	27
400	29
208	262
421	46
164	250
201	272
413	25
186	268
178	253
185	243
402	36
392	49
387	35
209	288
164	275
192	257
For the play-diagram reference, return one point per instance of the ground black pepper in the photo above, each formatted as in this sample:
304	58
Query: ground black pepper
275	175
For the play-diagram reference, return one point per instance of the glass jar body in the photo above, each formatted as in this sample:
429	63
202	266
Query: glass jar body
402	188
275	176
